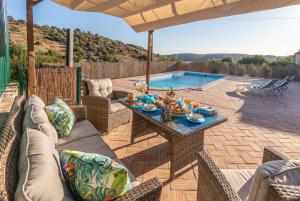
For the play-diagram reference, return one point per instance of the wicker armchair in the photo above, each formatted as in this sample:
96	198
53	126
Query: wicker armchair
213	185
9	157
105	113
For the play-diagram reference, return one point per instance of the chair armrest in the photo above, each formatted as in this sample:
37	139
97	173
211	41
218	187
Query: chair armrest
147	191
96	104
119	94
212	184
280	192
79	112
271	154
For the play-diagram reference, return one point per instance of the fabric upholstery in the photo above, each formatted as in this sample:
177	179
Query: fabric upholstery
94	177
116	106
274	172
61	116
40	177
80	130
34	100
95	144
240	180
100	87
36	118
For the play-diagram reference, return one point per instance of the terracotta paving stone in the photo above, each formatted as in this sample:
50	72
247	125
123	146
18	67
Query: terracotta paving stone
253	123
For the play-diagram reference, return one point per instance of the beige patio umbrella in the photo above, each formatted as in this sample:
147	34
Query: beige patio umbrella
148	15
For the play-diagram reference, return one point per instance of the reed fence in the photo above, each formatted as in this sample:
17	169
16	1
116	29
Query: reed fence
57	82
116	70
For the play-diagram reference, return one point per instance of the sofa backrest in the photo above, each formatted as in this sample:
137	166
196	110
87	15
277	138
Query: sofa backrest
9	150
100	87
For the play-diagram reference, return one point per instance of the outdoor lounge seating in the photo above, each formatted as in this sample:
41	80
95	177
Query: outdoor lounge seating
235	184
84	137
278	86
103	108
261	87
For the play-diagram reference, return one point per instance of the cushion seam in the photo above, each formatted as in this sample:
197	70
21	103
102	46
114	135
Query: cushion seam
28	167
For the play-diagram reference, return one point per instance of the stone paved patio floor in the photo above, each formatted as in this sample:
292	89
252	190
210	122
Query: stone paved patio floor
253	123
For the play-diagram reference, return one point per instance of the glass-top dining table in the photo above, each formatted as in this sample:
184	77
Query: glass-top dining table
185	137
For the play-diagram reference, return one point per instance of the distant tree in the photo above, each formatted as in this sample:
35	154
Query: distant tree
227	60
284	61
18	60
256	59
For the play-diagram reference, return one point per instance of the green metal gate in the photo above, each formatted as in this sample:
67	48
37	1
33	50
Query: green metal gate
4	48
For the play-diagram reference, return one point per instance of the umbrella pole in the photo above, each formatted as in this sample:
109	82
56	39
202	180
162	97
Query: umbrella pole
149	58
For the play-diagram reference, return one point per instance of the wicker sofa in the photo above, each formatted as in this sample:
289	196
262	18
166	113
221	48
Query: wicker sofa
213	183
103	109
87	139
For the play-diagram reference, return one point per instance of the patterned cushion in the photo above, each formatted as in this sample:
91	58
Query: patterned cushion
100	87
36	118
61	116
94	177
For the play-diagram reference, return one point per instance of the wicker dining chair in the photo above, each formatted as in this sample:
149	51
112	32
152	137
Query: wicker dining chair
213	185
103	109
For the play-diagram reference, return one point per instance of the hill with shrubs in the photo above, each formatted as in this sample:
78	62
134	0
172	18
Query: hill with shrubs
50	45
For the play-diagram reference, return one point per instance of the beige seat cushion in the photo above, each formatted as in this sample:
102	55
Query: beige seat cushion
116	106
240	180
40	177
80	130
100	87
95	144
34	100
36	118
274	172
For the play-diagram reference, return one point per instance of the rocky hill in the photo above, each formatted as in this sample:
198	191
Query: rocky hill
50	40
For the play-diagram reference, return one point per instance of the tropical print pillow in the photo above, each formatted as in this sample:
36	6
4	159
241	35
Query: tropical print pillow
61	116
93	177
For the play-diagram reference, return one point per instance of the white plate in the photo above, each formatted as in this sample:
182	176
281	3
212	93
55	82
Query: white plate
198	121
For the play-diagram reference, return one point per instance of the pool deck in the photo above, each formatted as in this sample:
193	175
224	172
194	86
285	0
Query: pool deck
253	123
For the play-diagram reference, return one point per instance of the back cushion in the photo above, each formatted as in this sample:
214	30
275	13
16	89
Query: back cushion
36	118
40	177
274	172
34	100
101	87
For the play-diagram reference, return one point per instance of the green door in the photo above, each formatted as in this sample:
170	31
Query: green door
4	48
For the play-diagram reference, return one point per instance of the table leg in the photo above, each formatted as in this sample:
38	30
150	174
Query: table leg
139	127
183	150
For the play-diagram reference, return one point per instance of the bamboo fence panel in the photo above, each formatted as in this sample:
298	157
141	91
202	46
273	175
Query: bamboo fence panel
57	82
117	70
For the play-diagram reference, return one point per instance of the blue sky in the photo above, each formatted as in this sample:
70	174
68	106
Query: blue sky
274	32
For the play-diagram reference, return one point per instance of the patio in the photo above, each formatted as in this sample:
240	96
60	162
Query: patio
253	123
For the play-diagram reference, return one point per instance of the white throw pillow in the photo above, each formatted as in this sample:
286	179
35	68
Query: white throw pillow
100	87
40	177
36	118
34	100
273	172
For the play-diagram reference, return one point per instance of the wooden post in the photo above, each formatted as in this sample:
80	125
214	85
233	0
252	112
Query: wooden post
69	48
30	50
149	58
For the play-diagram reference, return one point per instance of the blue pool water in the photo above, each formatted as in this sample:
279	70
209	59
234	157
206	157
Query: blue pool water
183	80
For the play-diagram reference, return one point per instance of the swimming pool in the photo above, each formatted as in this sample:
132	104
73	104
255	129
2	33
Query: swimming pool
183	80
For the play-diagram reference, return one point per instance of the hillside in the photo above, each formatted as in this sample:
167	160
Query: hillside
210	57
50	40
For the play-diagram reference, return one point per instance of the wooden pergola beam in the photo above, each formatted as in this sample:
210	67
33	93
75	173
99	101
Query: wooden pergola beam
149	58
30	49
30	46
